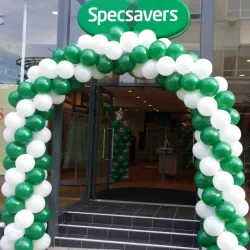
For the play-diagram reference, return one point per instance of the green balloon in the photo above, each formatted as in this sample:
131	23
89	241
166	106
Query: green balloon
116	176
200	122
215	247
226	211
14	150
211	196
160	80
14	98
88	57
232	165
237	226
43	216
225	100
222	150
203	181
24	190
125	165
210	136
118	71
43	85
23	136
243	239
194	55
206	240
239	179
157	50
202	221
175	50
35	231
194	111
26	90
72	53
58	55
116	124
44	162
35	176
104	64
13	205
35	123
7	217
61	86
115	33
8	163
24	244
121	171
235	116
209	86
125	63
190	82
140	54
47	115
173	82
76	85
197	164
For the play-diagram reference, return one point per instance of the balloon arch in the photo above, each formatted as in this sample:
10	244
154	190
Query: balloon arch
219	178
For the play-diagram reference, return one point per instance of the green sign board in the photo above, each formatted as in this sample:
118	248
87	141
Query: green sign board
167	18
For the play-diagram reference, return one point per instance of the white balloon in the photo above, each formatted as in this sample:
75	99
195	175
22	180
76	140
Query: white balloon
220	119
230	134
237	148
24	219
8	135
200	150
85	42
13	233
7	244
25	163
46	174
207	106
14	177
56	99
213	226
128	41
184	64
36	149
149	70
96	74
65	69
82	73
7	189
197	135
44	135
181	94
113	50
43	189
14	121
192	99
166	41
42	243
242	208
48	68
227	241
33	73
42	102
99	43
240	248
137	71
223	181
25	108
203	68
199	192
146	38
234	194
223	84
209	166
35	203
203	210
45	225
165	66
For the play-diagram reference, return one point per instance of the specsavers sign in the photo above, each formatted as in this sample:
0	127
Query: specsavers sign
167	18
5	108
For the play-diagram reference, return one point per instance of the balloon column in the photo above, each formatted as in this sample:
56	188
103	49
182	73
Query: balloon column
220	177
122	144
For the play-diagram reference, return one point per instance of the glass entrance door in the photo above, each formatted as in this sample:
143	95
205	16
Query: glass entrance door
103	142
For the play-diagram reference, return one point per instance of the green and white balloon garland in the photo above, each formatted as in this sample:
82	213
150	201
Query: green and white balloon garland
222	206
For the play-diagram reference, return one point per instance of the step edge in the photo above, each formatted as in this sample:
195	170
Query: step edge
132	216
125	243
126	229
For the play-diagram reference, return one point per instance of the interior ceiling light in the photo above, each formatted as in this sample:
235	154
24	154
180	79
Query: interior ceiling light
248	60
157	110
130	91
150	105
145	101
138	97
55	12
242	75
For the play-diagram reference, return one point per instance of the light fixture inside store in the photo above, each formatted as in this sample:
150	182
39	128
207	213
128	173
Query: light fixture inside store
87	86
242	75
248	60
150	105
126	110
137	110
130	91
157	110
114	98
145	101
55	12
138	97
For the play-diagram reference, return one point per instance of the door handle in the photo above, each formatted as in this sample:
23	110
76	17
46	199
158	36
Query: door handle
104	144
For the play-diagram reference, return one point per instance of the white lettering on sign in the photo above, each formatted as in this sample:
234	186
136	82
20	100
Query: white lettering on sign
101	16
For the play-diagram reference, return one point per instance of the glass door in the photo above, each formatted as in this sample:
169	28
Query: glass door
103	142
